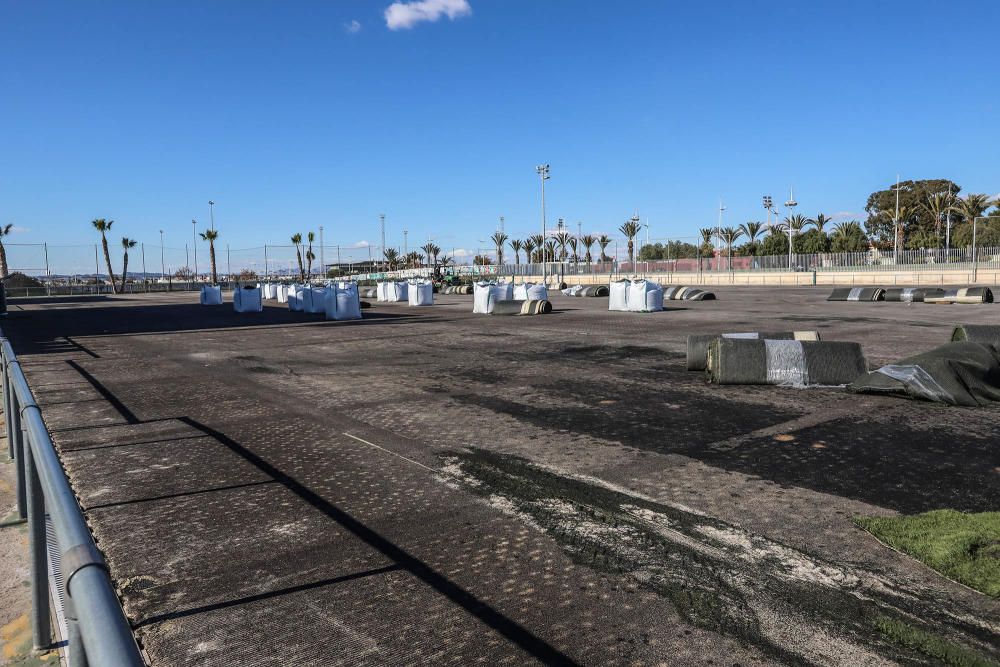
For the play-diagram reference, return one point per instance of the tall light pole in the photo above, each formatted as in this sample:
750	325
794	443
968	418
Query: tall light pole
322	256
543	173
895	227
211	212
790	205
381	217
406	247
163	265
768	205
975	260
718	231
194	245
501	225
947	228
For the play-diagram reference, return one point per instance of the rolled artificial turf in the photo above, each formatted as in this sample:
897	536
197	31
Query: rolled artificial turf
784	362
697	344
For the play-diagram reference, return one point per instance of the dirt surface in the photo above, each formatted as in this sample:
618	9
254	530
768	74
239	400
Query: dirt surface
428	485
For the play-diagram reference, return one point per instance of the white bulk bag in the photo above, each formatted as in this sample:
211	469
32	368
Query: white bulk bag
420	293
211	295
503	292
295	297
247	300
391	291
538	292
618	295
482	298
644	296
270	291
313	299
343	303
281	293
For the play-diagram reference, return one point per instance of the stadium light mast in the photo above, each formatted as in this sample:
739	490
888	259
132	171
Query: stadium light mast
194	245
381	217
768	206
211	212
718	230
790	205
543	173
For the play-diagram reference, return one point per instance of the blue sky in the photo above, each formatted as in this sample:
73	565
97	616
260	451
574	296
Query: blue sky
291	115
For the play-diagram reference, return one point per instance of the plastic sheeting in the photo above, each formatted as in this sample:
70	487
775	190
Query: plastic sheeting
391	291
420	293
211	295
962	373
248	300
343	303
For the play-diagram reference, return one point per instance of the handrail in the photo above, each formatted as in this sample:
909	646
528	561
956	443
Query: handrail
99	634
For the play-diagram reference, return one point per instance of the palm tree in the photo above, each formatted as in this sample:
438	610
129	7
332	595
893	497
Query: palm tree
309	254
435	250
572	248
297	240
604	241
550	250
972	206
516	245
446	260
103	226
900	220
797	222
529	249
210	235
499	239
706	239
126	244
428	249
562	238
752	230
540	246
819	222
630	228
937	206
391	258
4	231
729	236
587	241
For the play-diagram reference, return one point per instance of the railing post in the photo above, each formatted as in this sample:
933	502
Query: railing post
41	630
6	404
17	434
76	652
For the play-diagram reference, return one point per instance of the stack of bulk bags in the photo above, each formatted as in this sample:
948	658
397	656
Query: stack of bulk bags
420	293
531	292
486	294
618	295
270	291
343	302
391	291
281	293
247	300
211	295
295	297
636	296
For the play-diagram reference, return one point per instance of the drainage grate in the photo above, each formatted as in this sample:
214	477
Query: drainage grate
57	586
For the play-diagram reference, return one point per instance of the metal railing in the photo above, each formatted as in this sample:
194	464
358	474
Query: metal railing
98	633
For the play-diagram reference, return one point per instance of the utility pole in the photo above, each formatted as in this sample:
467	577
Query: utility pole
406	245
947	229
543	173
321	255
194	245
790	205
718	230
163	264
211	212
381	218
895	227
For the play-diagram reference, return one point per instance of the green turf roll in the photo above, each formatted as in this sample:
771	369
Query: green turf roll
961	373
697	344
905	294
986	334
963	295
784	362
857	294
699	295
594	290
520	307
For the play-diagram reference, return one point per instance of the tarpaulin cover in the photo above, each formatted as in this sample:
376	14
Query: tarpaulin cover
987	334
697	344
211	295
522	307
784	362
247	300
421	293
962	373
343	303
531	292
963	295
857	294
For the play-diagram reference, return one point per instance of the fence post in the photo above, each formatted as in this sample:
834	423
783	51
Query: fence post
14	431
6	407
48	274
41	630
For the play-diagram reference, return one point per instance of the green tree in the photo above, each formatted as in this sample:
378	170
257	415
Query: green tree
391	256
603	242
630	229
573	243
297	241
588	241
819	223
775	243
550	250
912	194
211	235
848	237
104	226
499	239
127	244
309	254
969	208
4	231
707	249
428	249
752	231
811	241
729	236
516	245
679	250
529	249
651	252
936	206
562	238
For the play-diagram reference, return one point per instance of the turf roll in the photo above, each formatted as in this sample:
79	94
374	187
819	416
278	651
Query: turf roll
699	295
961	373
857	294
963	295
672	292
905	294
697	344
515	307
594	290
784	362
986	334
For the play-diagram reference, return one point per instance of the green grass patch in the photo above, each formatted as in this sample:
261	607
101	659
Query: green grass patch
930	645
963	547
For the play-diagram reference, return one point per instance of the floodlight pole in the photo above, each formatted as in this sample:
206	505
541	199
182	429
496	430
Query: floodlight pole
790	205
718	231
381	218
543	173
895	228
194	245
163	264
322	260
211	212
975	262
947	229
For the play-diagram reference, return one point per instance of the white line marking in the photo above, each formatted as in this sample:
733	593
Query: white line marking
387	451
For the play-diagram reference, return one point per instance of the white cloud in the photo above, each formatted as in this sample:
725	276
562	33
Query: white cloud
360	244
404	15
353	27
462	252
19	230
